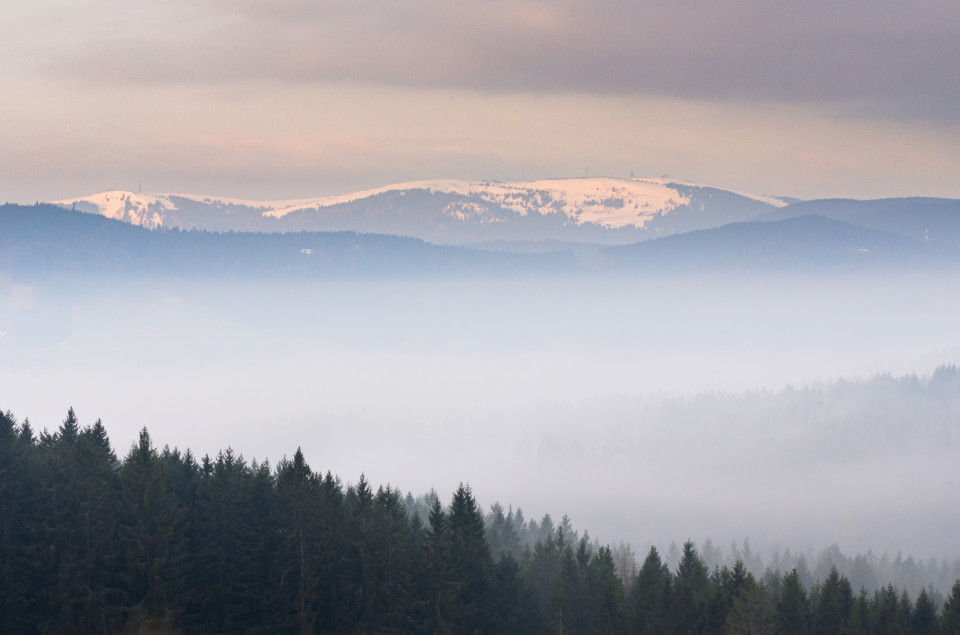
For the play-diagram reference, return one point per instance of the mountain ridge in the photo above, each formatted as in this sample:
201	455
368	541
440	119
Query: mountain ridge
597	209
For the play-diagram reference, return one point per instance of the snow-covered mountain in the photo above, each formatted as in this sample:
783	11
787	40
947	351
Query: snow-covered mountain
606	210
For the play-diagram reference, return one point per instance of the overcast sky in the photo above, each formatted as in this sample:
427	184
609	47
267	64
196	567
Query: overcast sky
292	98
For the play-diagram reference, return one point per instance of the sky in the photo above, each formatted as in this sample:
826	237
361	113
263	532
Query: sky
294	98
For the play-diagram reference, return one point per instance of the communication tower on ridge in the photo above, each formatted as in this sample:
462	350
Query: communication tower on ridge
138	186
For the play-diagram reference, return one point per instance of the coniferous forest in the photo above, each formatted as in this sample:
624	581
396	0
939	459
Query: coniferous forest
162	542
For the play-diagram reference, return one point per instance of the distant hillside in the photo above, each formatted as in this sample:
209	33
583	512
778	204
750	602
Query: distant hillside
931	220
802	243
599	210
47	239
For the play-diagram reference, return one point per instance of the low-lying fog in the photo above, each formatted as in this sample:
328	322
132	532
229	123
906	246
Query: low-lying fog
574	396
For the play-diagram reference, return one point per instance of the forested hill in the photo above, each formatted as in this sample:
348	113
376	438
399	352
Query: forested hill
164	542
50	240
810	243
47	239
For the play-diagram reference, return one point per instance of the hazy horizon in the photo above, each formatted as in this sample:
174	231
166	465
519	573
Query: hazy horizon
541	392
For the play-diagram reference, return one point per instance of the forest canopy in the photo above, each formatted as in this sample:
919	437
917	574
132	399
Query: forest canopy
161	539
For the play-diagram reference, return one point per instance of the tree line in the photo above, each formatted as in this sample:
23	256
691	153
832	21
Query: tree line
162	541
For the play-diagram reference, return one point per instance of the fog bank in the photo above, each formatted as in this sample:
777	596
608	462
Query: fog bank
649	410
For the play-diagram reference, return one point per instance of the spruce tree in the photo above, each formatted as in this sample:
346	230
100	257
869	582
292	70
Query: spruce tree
515	609
834	603
542	573
98	489
650	597
793	609
608	610
887	618
470	562
21	540
297	545
692	588
152	539
440	589
924	618
227	580
391	554
950	618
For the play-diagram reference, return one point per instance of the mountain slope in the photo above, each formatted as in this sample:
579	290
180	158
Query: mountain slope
801	244
605	210
932	220
49	240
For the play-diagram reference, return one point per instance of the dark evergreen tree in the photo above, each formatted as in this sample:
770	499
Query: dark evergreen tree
152	540
924	618
21	542
887	618
470	563
79	524
98	489
296	518
692	589
608	608
834	603
542	574
720	600
750	613
502	535
440	588
650	606
386	559
336	565
950	618
227	582
514	606
858	622
793	609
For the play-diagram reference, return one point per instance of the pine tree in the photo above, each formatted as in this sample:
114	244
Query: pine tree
98	490
886	613
392	557
21	543
608	613
692	588
750	613
470	562
381	548
502	535
440	589
298	545
227	579
515	609
858	622
950	618
542	574
924	618
76	479
152	539
335	565
835	601
650	598
793	609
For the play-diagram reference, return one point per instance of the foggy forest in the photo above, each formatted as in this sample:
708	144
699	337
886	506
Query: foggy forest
511	316
785	436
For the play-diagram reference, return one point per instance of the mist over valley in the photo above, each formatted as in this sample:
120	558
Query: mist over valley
798	403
